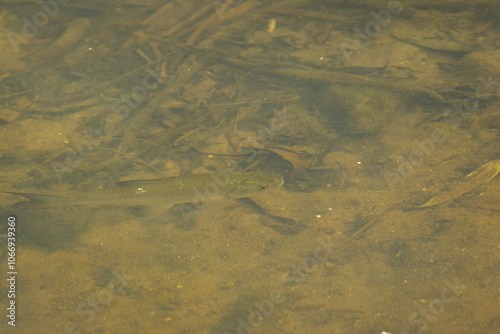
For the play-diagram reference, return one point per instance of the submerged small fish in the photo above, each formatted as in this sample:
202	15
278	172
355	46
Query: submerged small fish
163	193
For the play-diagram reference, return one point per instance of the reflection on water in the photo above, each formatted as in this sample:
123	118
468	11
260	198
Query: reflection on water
367	110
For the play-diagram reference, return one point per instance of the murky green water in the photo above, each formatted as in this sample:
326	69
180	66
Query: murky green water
367	109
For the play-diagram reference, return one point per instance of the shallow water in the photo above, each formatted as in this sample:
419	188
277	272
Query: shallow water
366	115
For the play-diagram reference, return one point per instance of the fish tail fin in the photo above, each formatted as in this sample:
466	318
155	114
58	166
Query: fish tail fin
36	201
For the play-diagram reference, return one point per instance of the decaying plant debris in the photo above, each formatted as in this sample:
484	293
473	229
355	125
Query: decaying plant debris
355	124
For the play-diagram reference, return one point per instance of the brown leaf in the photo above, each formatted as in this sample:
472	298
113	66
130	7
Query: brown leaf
475	179
292	157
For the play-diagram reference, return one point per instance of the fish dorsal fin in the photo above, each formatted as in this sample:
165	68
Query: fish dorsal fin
137	183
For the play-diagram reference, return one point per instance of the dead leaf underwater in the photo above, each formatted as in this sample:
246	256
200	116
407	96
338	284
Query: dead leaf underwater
474	180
